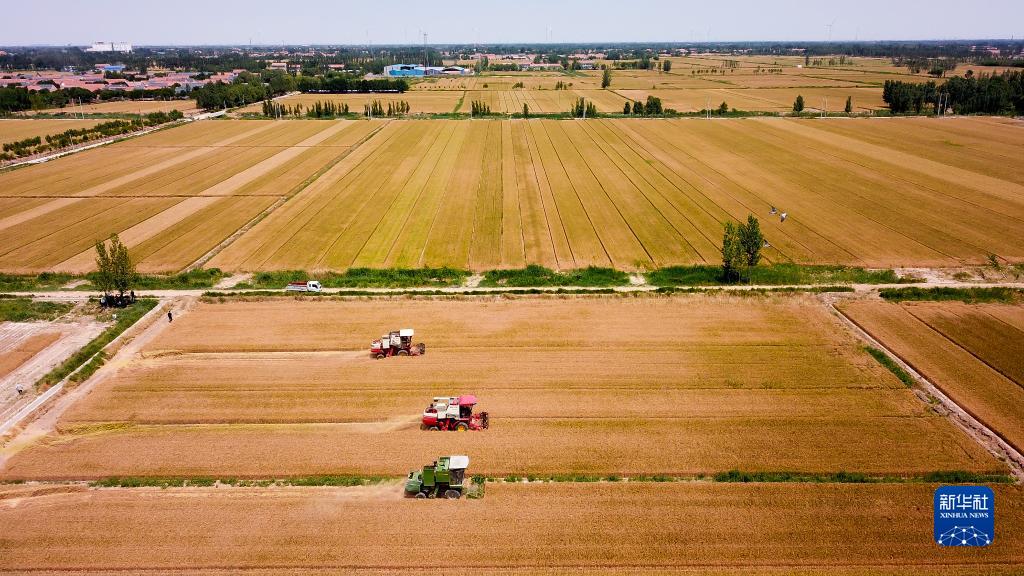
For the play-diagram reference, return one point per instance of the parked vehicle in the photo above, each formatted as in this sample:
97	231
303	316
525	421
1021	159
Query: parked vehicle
307	286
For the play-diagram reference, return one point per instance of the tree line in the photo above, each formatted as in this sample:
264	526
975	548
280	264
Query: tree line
17	99
984	94
35	145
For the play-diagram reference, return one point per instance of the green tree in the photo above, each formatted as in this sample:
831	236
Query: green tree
606	78
638	108
666	66
723	109
751	240
625	107
526	110
115	269
849	105
798	105
734	261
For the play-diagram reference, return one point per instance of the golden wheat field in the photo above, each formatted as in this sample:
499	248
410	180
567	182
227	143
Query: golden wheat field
657	529
631	194
971	352
13	130
641	194
272	389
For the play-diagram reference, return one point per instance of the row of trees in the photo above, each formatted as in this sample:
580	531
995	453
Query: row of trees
17	99
652	107
480	108
72	137
375	108
581	109
340	84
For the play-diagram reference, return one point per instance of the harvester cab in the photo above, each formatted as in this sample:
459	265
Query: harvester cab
397	343
454	413
445	478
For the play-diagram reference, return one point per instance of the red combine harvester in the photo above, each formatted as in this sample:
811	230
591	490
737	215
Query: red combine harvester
397	343
454	413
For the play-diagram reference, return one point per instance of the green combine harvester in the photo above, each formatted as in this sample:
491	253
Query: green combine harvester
445	478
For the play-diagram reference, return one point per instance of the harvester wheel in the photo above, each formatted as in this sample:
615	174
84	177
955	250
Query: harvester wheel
379	357
421	495
403	352
422	348
452	494
461	427
434	429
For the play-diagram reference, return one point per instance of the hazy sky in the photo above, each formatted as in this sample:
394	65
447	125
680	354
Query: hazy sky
400	21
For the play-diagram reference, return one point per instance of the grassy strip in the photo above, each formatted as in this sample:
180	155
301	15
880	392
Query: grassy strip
125	318
40	282
50	281
361	278
175	482
967	295
534	275
26	309
261	294
755	291
190	280
775	274
890	365
940	476
478	482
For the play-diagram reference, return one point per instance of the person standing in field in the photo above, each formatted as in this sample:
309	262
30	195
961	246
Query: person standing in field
20	388
782	217
170	316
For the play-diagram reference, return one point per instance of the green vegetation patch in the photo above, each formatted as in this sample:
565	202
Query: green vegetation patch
34	283
126	317
942	476
26	309
775	274
539	276
890	365
361	278
968	295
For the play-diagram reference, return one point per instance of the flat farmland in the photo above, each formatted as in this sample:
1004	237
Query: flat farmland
971	352
648	193
763	99
258	389
12	130
127	107
657	529
171	195
543	101
420	102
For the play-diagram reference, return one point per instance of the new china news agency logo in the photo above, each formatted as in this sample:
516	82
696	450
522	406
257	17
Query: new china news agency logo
964	516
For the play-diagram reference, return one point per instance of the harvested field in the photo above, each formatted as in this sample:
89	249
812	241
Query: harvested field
15	130
649	193
972	352
172	195
227	390
658	528
14	354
